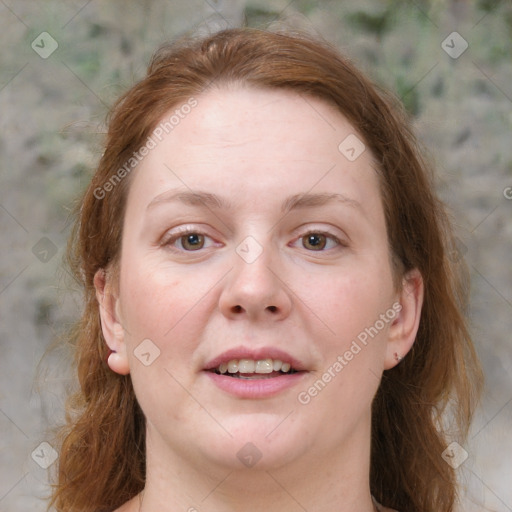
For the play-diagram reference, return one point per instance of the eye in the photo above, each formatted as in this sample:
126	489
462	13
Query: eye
318	241
192	241
188	240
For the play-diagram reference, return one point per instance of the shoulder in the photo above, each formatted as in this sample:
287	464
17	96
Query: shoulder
129	506
380	508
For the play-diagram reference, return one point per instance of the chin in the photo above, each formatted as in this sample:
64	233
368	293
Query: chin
259	441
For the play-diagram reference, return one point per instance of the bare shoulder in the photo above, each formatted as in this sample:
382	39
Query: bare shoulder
129	506
381	508
124	508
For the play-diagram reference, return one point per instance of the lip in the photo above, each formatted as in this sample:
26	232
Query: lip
255	354
255	388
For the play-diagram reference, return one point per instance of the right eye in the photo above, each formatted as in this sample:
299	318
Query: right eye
188	240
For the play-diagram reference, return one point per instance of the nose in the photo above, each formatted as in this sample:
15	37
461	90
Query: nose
254	291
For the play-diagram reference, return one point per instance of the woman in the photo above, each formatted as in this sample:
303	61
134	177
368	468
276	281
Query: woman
272	321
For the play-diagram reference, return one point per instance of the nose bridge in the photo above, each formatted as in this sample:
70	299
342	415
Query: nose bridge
253	288
253	268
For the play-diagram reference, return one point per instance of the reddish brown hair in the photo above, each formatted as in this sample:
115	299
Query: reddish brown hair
102	458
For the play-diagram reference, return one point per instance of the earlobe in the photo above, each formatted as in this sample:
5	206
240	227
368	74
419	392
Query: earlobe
111	326
404	328
118	363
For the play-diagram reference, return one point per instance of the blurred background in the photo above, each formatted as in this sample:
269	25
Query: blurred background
62	65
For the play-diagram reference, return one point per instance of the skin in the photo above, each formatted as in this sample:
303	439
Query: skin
255	148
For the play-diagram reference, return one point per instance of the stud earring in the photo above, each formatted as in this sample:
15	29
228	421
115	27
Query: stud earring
398	357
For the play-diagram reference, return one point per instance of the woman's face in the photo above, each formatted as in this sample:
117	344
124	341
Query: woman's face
254	234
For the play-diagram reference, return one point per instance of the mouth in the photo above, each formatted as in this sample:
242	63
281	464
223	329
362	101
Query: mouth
251	369
255	373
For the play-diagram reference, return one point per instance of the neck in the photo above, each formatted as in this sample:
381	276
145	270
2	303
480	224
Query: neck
328	481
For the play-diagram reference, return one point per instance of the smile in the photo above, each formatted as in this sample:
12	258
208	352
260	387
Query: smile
254	369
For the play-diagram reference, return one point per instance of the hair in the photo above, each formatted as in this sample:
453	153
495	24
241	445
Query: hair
102	456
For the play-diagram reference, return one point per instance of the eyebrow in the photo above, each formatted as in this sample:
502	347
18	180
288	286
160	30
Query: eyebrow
308	200
192	198
212	201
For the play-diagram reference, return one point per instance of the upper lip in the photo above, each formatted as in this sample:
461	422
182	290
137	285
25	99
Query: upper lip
255	354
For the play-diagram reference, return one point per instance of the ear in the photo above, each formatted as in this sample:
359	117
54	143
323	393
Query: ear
404	328
111	326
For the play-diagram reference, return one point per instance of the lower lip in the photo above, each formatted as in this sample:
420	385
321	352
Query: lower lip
255	388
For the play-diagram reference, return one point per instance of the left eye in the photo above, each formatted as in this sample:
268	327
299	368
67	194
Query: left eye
316	241
189	241
192	241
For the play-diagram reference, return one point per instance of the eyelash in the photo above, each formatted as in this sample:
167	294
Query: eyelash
174	237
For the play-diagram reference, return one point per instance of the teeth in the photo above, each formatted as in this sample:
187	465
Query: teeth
246	366
262	366
277	365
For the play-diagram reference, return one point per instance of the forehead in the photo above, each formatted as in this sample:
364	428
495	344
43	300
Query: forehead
256	142
239	117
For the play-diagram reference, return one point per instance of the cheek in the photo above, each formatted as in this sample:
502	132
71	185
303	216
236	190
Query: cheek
350	306
348	299
164	302
168	311
149	303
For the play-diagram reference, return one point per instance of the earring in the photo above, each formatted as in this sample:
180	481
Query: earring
398	357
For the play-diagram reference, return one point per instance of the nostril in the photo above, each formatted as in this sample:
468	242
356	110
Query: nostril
239	309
